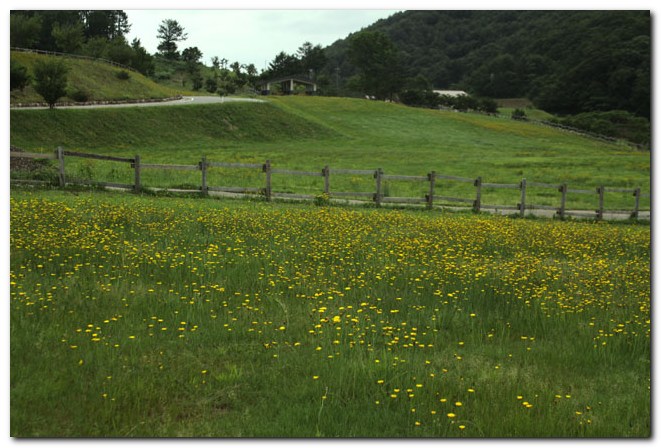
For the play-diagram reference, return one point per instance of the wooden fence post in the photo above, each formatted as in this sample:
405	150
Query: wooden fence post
326	173
432	184
60	158
636	194
600	211
478	195
136	166
522	204
203	167
378	195
563	200
267	169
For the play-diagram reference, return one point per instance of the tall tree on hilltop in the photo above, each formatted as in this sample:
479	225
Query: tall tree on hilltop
377	60
312	57
109	24
169	33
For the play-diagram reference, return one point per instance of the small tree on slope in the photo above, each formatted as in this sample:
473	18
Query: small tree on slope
50	80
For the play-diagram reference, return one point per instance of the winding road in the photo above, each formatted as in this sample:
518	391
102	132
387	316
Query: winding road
186	100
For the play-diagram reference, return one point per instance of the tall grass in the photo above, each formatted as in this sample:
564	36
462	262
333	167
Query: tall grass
143	316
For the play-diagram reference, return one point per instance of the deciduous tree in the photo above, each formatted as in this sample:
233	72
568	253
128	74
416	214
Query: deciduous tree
18	76
50	80
69	38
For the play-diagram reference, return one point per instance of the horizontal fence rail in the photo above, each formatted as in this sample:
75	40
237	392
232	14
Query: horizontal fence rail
378	195
74	56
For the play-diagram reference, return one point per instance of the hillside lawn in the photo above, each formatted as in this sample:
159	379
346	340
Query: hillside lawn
307	133
139	316
97	79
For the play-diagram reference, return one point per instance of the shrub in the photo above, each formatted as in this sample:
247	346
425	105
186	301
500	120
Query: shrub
211	85
123	75
322	200
465	103
19	77
78	95
519	114
488	105
420	98
616	124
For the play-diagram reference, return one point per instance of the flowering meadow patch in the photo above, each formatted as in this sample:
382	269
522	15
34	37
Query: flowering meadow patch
143	316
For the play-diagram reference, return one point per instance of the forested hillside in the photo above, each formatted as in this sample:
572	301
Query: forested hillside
567	62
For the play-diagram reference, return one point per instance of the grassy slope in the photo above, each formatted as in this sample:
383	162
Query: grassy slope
167	132
411	141
308	133
98	79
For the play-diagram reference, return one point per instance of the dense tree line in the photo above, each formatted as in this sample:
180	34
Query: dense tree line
567	62
98	34
307	61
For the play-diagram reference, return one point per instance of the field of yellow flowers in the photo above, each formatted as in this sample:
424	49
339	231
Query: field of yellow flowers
138	316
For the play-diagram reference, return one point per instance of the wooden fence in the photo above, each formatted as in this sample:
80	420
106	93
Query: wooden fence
74	56
377	196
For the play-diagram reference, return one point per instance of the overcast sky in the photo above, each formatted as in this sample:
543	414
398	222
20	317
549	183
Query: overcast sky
251	36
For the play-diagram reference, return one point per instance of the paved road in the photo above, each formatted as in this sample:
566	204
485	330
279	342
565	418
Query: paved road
186	100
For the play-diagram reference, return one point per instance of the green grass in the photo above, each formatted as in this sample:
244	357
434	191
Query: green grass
98	79
138	316
308	133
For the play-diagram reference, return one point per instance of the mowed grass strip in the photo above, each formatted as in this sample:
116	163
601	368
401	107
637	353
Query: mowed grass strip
143	316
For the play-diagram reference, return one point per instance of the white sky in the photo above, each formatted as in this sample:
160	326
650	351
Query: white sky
251	36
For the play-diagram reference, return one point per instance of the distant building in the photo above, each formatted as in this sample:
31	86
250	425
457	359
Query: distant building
288	85
452	93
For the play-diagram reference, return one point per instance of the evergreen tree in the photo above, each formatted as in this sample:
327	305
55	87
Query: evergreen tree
169	33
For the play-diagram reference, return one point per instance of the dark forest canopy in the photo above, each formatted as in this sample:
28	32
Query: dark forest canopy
98	34
567	62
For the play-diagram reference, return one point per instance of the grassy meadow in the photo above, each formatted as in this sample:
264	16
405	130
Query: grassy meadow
140	316
307	133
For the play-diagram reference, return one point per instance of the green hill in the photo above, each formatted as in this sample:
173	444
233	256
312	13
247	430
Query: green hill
169	132
310	132
90	80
